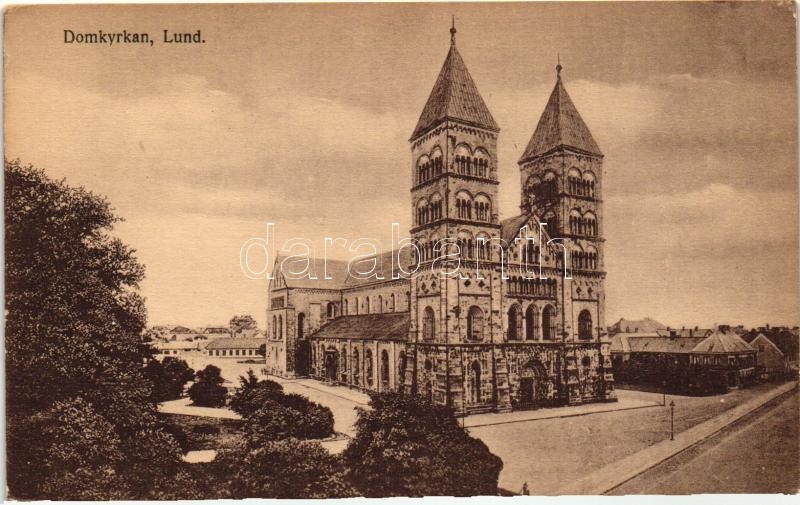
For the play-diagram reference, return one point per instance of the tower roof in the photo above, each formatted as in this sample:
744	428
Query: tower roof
454	96
560	126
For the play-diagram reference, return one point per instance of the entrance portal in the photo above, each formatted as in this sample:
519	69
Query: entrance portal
533	385
331	364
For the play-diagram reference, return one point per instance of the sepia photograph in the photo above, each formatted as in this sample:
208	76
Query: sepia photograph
339	250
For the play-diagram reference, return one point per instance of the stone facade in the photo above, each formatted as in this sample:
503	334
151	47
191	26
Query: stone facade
495	335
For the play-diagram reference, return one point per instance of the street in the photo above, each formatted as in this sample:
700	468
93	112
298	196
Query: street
757	454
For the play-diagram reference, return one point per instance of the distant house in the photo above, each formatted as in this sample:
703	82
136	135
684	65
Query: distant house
705	364
176	348
784	339
217	330
236	348
770	360
645	325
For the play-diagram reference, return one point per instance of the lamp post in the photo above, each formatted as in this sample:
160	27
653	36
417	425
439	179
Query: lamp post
672	420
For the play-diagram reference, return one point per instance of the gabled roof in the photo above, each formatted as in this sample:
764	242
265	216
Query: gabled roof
637	326
390	326
336	269
454	96
509	228
722	342
652	342
560	126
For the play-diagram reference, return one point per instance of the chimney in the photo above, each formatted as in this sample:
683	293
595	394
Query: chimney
673	334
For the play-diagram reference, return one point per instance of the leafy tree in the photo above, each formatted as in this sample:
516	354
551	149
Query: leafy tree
207	391
243	325
73	316
252	394
80	419
283	469
406	446
168	377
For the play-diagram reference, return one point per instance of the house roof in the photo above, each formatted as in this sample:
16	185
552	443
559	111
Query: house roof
763	338
722	342
560	126
784	339
646	325
236	343
318	267
454	96
652	342
391	326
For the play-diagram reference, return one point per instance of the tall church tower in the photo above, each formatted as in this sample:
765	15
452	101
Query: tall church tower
561	173
454	199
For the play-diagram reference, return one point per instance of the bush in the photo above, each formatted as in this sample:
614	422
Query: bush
275	421
252	394
288	468
406	446
168	377
207	391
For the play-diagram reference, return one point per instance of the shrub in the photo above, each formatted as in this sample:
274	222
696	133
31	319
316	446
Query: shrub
406	446
207	391
288	468
168	377
252	394
275	421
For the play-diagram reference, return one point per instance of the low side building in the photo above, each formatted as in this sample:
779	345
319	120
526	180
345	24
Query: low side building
709	364
177	348
236	348
770	361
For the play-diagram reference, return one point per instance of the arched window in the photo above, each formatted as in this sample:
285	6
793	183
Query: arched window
585	325
301	325
280	326
368	367
380	304
428	324
274	327
331	310
401	369
483	208
531	323
366	305
475	323
355	305
384	370
589	224
356	368
392	308
514	322
549	322
346	308
475	382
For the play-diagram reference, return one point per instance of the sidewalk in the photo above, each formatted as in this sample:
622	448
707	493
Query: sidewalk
477	420
618	472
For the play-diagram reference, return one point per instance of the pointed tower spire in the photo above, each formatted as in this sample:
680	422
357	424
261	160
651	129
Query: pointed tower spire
454	96
560	126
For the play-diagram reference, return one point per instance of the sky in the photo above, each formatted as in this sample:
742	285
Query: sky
300	115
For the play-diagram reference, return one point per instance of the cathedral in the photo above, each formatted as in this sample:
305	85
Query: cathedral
522	324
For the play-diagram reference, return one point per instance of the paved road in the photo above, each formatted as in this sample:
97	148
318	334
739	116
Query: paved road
757	454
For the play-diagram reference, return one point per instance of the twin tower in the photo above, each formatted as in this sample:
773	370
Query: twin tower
488	341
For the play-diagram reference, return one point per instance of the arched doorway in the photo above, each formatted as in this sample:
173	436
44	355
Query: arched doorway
585	325
331	364
356	368
514	322
368	367
533	385
549	322
531	323
475	383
